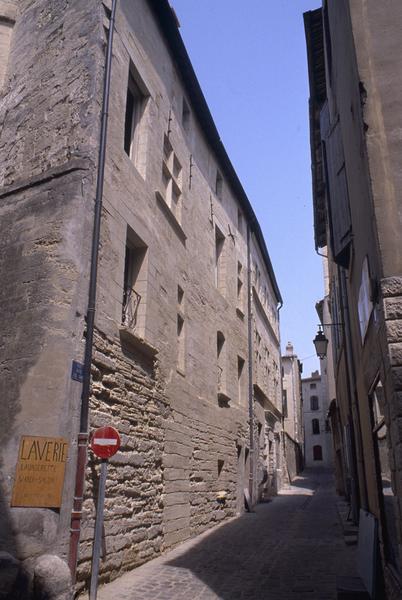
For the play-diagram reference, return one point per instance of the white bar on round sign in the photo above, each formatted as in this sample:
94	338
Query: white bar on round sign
105	441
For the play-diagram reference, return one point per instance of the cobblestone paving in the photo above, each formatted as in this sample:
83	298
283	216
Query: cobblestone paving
291	548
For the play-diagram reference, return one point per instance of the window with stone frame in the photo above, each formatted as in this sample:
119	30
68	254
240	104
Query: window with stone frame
218	185
181	342
6	29
240	221
241	379
285	404
172	179
220	266
240	289
134	283
185	115
221	362
314	405
134	131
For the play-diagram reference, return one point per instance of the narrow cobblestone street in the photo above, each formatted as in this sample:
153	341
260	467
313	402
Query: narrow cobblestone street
290	548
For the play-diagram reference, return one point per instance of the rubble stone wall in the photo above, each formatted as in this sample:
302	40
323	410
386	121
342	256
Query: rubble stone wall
126	395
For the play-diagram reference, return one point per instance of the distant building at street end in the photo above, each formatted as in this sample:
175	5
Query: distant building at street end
317	431
292	411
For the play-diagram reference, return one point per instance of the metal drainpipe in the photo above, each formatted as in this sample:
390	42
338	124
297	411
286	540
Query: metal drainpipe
250	372
76	513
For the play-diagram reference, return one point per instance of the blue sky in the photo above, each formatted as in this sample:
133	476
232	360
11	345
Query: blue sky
250	59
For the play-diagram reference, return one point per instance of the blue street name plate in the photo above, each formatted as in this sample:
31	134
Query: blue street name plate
77	371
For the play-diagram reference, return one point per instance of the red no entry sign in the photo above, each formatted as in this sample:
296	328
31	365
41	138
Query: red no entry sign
105	442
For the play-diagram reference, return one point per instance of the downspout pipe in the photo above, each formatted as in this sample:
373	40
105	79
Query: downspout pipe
250	372
76	513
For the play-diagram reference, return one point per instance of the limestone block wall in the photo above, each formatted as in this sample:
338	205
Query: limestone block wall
48	134
201	459
48	105
205	435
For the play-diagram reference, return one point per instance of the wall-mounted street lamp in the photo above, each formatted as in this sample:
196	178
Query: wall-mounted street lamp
320	341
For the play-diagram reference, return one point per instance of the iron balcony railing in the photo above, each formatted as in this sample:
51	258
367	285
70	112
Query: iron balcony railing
220	378
131	302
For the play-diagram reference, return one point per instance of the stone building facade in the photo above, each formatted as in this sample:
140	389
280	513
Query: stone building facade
186	355
292	409
354	52
317	432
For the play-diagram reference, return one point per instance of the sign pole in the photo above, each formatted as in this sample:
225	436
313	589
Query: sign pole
105	442
98	531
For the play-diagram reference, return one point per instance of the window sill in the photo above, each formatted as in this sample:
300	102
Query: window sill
132	340
171	218
180	371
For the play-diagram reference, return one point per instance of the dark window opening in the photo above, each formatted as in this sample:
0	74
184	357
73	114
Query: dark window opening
239	220
317	453
180	343
219	260
218	185
240	378
285	404
134	285
185	115
134	108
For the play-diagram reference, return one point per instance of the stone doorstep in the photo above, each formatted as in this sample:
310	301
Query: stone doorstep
351	588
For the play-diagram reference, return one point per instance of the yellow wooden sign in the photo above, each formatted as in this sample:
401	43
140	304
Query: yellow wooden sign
39	475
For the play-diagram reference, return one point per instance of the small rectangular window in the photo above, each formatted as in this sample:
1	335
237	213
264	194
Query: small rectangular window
240	288
219	260
180	343
134	106
135	138
134	284
314	403
180	296
240	378
315	426
285	404
185	115
6	29
240	221
221	360
218	185
220	466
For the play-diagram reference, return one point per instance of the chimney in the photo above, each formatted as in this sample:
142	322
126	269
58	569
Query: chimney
289	349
